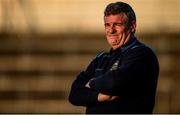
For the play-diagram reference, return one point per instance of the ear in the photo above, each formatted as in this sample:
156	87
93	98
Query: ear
133	26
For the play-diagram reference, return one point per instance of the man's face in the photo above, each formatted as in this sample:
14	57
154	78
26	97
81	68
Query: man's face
117	29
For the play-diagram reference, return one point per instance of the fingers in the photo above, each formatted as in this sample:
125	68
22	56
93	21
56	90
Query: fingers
103	97
113	98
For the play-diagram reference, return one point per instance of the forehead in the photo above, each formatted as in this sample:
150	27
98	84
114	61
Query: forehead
122	17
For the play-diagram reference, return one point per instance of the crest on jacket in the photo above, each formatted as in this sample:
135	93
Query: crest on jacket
115	65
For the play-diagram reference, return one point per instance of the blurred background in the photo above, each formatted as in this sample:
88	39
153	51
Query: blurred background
44	44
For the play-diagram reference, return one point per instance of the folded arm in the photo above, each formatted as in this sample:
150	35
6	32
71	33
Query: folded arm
120	80
102	97
84	96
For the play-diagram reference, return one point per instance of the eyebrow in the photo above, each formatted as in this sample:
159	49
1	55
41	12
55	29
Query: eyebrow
121	23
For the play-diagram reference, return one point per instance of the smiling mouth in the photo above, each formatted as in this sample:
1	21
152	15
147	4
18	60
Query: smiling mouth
113	36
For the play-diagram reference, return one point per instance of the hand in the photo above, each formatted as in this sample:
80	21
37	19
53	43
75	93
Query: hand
103	97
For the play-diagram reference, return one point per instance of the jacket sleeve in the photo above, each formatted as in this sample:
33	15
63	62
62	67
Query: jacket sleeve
134	70
79	94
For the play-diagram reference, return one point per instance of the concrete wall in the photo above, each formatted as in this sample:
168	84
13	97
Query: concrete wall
84	15
44	44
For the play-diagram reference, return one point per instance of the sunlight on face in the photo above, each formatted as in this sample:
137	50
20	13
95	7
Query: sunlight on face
117	30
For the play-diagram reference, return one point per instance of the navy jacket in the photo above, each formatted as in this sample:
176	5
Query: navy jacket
130	72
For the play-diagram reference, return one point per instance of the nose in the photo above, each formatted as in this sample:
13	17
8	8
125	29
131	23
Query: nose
112	29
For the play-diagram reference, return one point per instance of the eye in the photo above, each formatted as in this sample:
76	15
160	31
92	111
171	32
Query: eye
119	24
107	25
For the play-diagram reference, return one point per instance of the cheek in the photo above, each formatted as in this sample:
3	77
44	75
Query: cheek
127	29
106	31
121	30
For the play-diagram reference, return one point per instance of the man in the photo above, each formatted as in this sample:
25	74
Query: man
123	80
